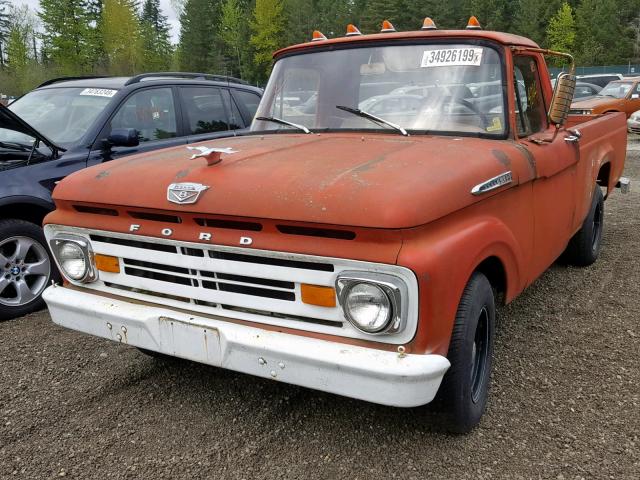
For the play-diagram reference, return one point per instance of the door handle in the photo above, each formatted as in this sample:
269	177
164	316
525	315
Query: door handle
574	137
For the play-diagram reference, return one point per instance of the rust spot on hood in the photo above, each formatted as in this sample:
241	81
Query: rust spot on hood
502	157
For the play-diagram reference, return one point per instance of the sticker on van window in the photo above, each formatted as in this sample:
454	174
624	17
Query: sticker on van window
452	57
99	92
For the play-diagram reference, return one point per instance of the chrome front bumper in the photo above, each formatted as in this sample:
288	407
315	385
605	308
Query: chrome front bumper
387	378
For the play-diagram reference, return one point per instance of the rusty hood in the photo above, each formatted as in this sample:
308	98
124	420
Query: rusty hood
376	180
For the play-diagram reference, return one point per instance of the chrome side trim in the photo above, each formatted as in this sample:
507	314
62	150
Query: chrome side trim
493	183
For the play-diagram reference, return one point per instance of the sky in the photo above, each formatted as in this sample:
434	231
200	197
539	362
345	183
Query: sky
165	5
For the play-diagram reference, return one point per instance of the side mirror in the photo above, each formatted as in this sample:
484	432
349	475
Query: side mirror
123	137
562	98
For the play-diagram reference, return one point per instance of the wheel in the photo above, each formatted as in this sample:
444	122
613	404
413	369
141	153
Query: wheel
465	387
585	246
25	268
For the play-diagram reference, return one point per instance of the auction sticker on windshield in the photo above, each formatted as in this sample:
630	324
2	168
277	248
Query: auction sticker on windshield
99	92
452	57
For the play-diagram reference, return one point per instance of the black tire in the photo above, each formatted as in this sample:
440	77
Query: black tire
465	387
585	246
33	255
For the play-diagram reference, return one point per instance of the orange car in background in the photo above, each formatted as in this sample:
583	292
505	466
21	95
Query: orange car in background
617	96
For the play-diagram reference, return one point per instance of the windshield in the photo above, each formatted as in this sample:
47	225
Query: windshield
616	90
63	115
448	88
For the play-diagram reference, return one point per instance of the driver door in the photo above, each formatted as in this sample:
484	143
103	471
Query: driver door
555	161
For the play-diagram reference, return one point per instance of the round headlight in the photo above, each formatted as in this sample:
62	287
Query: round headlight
368	307
72	260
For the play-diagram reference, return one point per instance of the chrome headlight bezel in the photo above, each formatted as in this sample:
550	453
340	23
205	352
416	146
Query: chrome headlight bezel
393	287
56	244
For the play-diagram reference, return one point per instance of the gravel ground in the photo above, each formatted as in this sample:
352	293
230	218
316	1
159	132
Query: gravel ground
565	401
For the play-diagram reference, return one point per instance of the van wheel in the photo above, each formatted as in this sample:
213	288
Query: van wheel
465	386
585	246
25	268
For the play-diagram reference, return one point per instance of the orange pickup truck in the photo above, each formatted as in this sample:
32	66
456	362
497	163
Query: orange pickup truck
393	189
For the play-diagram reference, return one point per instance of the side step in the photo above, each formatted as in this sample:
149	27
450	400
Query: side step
624	184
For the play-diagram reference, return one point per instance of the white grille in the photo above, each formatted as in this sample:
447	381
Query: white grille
239	283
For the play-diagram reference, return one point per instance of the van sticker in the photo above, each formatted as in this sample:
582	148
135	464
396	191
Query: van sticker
452	57
98	92
495	126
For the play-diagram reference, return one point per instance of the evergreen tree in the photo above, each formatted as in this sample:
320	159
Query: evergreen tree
300	19
95	41
494	14
66	33
121	35
233	32
561	33
378	10
267	34
156	44
197	50
601	39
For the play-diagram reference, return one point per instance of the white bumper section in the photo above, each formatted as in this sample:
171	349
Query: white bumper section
376	376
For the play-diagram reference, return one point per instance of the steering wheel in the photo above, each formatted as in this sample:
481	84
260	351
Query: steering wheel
470	106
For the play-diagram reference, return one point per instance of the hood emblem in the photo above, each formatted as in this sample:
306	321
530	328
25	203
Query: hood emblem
212	155
185	193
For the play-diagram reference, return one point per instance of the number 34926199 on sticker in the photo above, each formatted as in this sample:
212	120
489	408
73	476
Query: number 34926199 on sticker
452	57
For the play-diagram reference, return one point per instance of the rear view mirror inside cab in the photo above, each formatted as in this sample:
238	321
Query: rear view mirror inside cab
372	69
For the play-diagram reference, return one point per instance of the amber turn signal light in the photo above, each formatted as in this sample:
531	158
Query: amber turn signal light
473	24
352	30
318	295
428	24
107	263
318	36
387	27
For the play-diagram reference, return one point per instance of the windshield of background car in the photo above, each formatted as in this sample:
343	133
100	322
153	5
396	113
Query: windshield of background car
616	90
447	88
63	115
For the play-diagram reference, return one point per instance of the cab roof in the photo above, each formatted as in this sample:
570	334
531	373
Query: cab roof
499	37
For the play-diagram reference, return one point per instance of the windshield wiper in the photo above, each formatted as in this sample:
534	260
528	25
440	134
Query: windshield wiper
16	146
284	122
373	118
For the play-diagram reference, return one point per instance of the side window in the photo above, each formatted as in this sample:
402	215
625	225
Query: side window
151	112
204	110
249	100
235	119
530	110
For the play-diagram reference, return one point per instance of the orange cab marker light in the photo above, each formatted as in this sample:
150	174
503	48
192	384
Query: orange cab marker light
428	24
107	263
318	295
318	36
352	30
387	27
473	24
